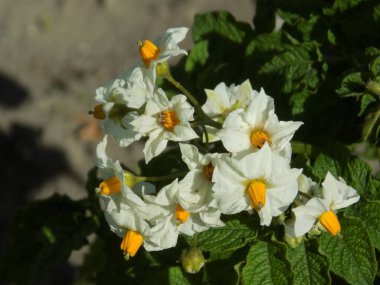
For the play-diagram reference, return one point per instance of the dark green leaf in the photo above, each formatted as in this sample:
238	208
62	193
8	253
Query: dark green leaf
365	101
43	234
353	82
352	256
198	56
267	264
309	266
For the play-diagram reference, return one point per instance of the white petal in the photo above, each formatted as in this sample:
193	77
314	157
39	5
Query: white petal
259	109
154	145
191	156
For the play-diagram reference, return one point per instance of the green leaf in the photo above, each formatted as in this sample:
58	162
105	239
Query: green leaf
267	264
334	161
293	69
365	101
221	23
233	235
375	66
358	175
309	266
44	234
352	256
353	82
370	123
198	56
341	6
369	214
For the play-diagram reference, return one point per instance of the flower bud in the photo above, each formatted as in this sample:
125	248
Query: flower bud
293	242
192	260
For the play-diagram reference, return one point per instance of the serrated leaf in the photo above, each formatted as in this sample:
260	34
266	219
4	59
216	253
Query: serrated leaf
334	161
358	175
341	6
232	236
365	101
44	234
198	56
352	256
353	82
369	214
293	68
375	66
309	266
267	264
221	23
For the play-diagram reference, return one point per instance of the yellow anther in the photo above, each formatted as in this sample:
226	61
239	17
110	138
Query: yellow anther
330	222
258	139
148	52
208	170
110	186
256	191
168	119
98	112
180	214
131	242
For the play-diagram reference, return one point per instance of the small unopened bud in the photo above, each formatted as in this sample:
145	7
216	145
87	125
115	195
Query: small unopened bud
374	87
192	260
162	68
293	242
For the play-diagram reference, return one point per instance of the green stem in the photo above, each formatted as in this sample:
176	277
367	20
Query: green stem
161	178
193	100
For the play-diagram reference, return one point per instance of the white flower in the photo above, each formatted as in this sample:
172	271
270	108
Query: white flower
262	181
336	195
163	47
171	207
197	184
164	120
118	100
223	100
246	131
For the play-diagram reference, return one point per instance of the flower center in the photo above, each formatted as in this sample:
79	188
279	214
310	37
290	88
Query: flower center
148	52
258	139
168	119
131	242
98	112
110	186
208	170
180	214
330	222
256	191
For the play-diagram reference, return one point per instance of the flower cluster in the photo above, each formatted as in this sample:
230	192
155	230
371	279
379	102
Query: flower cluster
251	172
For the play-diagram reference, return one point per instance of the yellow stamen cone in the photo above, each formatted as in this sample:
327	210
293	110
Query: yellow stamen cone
148	52
256	191
98	112
330	222
168	119
181	215
208	170
259	138
131	242
110	186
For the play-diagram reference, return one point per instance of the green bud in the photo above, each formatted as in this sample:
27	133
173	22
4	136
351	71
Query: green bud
374	87
192	260
163	69
293	242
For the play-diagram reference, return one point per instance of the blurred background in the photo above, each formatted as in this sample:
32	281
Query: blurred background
53	55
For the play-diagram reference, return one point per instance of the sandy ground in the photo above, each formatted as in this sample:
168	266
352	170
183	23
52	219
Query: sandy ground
54	54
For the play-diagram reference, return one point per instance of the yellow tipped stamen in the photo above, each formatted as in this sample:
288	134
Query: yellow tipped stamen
330	222
98	112
208	170
256	191
258	139
131	242
148	52
110	186
168	119
180	214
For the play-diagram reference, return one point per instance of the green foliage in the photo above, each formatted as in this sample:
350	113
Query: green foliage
267	264
352	255
42	235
